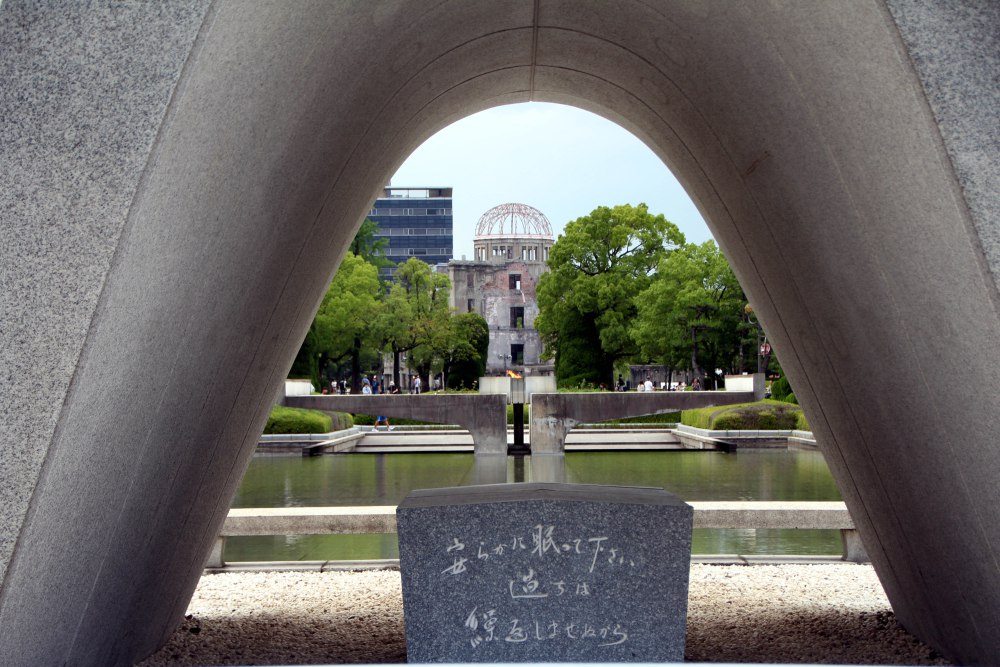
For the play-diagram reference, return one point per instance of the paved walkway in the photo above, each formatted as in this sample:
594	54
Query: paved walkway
833	613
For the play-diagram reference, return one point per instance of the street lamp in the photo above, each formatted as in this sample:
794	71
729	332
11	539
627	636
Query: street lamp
505	357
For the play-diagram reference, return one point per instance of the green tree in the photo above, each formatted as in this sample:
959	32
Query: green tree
587	300
369	245
416	317
694	307
465	360
344	326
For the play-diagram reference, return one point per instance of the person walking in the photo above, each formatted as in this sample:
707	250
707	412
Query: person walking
416	385
696	385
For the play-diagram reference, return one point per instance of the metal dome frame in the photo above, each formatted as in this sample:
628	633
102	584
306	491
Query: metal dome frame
514	220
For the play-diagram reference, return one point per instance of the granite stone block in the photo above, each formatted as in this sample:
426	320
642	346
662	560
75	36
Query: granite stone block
544	573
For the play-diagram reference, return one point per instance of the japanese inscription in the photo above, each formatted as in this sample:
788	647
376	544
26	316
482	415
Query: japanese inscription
546	580
525	564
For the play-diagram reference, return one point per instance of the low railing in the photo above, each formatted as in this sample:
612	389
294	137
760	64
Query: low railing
382	519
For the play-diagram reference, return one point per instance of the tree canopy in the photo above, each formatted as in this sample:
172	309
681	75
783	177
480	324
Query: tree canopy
344	326
416	317
693	306
587	299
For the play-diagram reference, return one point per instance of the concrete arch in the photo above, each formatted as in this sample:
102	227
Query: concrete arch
184	179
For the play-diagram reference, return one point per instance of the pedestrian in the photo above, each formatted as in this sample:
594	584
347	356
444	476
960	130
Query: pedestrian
393	389
416	385
366	387
696	385
648	383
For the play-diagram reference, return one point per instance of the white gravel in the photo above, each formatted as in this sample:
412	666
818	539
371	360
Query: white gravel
833	613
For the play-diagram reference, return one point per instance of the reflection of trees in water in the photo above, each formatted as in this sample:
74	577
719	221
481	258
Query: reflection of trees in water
385	479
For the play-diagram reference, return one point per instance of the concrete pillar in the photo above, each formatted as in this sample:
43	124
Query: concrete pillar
181	179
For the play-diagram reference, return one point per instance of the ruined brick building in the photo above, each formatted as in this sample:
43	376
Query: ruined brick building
510	248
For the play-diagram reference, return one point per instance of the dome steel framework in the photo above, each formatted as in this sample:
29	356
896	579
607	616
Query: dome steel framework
518	220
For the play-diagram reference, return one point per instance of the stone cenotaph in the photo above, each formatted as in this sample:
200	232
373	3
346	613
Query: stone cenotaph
544	572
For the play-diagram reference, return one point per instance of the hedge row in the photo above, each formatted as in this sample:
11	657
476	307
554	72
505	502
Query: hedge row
763	415
369	420
298	420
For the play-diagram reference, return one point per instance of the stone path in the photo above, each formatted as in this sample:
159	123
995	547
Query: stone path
764	613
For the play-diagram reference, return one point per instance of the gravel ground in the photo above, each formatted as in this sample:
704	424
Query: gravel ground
764	613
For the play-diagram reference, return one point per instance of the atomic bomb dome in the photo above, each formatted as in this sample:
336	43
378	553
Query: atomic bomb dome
514	220
512	232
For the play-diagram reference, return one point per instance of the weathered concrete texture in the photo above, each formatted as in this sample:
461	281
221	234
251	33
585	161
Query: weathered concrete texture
554	415
83	91
484	415
955	49
801	130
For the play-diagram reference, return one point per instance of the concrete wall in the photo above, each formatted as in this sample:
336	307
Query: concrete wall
554	415
180	181
484	415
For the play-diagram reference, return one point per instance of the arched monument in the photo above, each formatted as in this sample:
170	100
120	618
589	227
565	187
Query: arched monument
180	181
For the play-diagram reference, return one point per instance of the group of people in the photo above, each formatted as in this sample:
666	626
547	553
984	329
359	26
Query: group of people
647	385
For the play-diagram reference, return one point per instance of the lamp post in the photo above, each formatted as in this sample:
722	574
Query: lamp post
505	357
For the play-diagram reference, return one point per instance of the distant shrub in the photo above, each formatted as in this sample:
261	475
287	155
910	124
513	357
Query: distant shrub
665	418
297	420
791	399
369	420
756	417
801	424
763	415
780	388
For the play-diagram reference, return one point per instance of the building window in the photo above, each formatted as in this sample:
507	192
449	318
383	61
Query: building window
417	251
515	281
471	305
517	354
469	281
528	253
432	211
517	317
481	254
546	254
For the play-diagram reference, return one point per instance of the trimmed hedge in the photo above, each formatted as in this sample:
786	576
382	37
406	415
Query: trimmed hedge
801	424
369	420
297	420
768	415
665	418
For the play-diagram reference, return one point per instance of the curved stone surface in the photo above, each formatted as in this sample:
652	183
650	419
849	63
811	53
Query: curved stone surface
181	181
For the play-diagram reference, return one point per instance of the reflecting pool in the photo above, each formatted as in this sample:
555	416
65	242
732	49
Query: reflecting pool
385	479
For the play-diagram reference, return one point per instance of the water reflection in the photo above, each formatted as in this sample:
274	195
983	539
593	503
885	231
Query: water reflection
385	479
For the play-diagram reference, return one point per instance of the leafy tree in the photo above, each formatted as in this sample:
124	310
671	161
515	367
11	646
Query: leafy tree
587	301
465	360
694	306
344	326
370	246
416	317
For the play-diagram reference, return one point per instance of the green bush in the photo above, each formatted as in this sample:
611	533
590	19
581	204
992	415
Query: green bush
765	415
801	424
780	388
369	420
791	399
297	420
665	418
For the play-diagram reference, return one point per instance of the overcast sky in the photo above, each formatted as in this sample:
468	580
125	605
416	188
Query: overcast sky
563	161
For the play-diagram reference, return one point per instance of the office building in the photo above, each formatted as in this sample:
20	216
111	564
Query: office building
417	223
